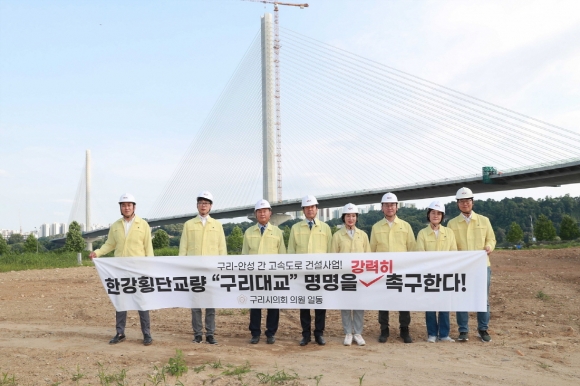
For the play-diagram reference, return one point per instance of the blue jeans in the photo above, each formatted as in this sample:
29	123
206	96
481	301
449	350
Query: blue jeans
482	317
437	328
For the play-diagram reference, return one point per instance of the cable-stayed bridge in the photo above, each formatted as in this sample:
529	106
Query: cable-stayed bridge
348	129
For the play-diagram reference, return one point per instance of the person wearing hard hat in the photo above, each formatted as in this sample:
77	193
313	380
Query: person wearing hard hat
263	239
392	234
350	239
203	236
310	236
130	236
436	237
473	232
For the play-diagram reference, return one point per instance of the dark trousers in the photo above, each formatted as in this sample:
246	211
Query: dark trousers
272	318
319	322
121	321
404	319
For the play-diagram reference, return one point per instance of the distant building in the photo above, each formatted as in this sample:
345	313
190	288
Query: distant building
54	229
63	228
44	230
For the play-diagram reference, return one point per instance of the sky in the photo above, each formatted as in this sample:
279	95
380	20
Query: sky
133	81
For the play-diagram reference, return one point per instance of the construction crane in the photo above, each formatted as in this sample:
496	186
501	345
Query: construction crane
277	88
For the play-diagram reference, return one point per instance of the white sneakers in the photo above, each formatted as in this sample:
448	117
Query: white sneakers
433	339
348	339
359	339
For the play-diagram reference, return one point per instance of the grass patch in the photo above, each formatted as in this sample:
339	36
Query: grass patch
76	377
199	369
216	365
177	366
244	311
116	379
554	245
543	365
24	261
169	251
277	378
8	380
225	312
542	296
238	370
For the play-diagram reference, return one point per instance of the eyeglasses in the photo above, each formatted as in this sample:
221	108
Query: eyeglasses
204	203
464	200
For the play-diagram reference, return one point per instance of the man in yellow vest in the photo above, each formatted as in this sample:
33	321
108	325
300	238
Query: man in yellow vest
130	236
263	239
203	236
473	232
310	236
392	234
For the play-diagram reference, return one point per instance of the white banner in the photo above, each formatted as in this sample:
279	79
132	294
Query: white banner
410	281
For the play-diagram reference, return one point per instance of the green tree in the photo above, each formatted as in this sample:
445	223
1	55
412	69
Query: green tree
160	239
544	229
16	249
515	233
31	244
235	241
286	235
334	229
4	248
74	238
15	238
569	228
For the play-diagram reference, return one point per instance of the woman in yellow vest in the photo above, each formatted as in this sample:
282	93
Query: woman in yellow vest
349	239
436	237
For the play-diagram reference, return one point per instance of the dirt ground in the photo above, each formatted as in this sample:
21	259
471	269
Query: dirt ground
57	323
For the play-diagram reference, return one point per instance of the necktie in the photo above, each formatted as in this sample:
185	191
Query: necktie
310	223
262	229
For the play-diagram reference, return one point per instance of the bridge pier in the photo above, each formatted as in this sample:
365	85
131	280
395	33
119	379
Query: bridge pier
279	218
89	242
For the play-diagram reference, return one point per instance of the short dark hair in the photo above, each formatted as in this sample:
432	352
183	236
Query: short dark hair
429	211
344	214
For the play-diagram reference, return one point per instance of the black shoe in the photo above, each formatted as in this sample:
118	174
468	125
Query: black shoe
117	338
405	335
484	336
320	340
197	339
270	339
210	339
384	336
463	337
147	340
304	341
255	339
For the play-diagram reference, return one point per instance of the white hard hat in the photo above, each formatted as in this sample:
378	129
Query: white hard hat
309	200
262	204
389	197
464	193
350	208
127	197
206	196
437	205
